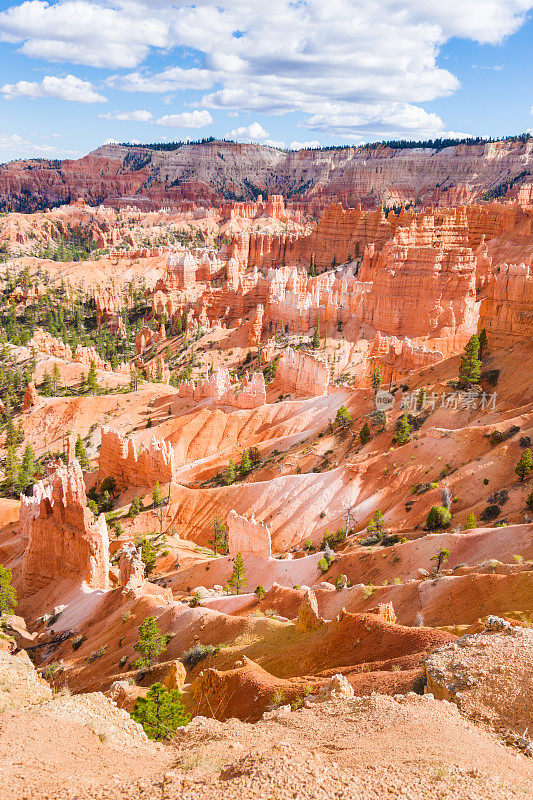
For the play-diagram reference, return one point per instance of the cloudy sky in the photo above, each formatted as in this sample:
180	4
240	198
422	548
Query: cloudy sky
77	73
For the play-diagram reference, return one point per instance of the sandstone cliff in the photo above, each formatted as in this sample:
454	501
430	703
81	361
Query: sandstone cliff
371	175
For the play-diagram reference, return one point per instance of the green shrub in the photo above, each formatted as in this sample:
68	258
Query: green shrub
438	517
333	539
49	671
323	565
471	522
196	654
98	653
160	713
342	418
77	641
496	437
364	433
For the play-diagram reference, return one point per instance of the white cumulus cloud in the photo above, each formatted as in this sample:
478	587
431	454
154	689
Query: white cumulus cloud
253	131
187	119
303	145
349	68
129	116
15	146
68	88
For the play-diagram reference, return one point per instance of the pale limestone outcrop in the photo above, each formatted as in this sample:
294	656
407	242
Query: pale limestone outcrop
248	536
397	357
256	326
301	374
90	355
134	465
186	267
131	567
308	616
251	394
64	538
384	611
44	342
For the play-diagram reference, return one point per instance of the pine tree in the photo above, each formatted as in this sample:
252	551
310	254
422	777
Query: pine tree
8	594
11	433
81	453
160	713
403	434
471	522
47	385
148	555
483	342
376	379
230	474
246	466
238	576
343	417
440	558
151	642
525	464
438	517
157	497
91	383
219	541
316	336
255	457
136	507
376	526
11	469
27	467
421	398
56	379
364	433
470	369
134	379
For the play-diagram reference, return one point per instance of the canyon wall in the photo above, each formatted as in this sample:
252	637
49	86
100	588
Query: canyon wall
370	175
64	539
507	309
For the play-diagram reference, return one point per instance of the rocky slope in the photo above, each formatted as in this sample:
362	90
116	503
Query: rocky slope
212	172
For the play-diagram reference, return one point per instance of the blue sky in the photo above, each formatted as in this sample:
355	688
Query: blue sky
74	74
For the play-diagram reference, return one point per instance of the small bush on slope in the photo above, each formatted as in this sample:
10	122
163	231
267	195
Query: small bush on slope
161	712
